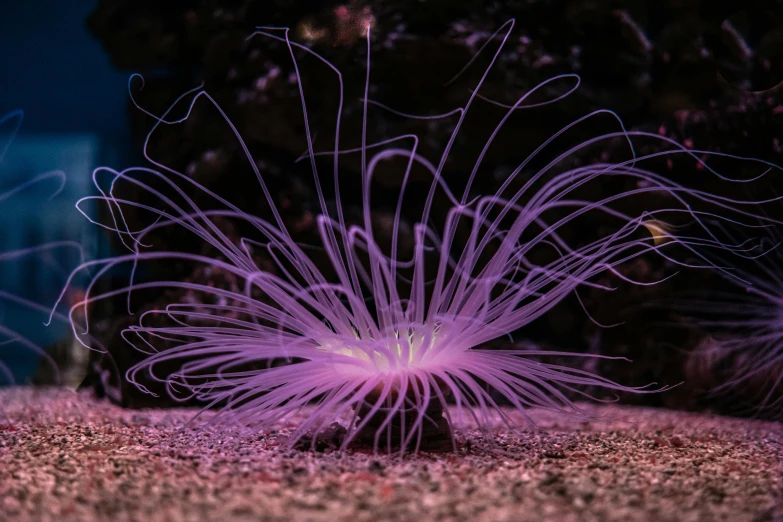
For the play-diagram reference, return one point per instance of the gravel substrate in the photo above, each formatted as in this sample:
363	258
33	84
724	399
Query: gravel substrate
67	456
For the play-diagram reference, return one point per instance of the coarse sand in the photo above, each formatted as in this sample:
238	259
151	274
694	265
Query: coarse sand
66	456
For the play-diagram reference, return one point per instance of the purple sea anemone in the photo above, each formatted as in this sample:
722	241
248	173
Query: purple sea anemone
12	337
743	353
390	340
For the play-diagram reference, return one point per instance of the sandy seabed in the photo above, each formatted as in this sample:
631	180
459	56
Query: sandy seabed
66	456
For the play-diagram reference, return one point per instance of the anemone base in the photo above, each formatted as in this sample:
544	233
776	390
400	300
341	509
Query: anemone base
436	434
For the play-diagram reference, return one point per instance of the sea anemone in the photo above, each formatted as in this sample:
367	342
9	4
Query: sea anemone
740	360
392	345
11	336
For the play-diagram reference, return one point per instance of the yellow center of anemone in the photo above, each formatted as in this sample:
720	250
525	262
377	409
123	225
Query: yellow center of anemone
400	352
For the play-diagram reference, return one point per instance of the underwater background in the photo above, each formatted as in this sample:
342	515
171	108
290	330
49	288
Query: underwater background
349	405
